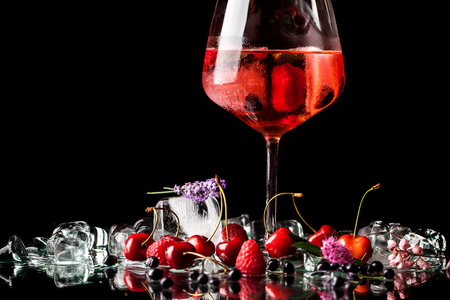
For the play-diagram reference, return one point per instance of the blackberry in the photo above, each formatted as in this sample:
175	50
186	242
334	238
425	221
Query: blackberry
252	103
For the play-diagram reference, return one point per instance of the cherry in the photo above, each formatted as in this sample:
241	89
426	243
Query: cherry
175	255
279	243
228	251
359	246
202	245
324	232
134	248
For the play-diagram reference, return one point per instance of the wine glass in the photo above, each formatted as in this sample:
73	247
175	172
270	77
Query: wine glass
273	64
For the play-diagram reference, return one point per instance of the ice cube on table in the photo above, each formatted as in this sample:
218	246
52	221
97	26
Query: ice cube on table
37	251
433	245
69	250
144	225
118	234
397	231
13	251
195	218
378	234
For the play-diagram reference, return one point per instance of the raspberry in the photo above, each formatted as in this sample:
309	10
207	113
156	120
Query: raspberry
250	260
234	230
157	249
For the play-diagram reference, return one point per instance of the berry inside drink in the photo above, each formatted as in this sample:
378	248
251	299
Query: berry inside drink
273	91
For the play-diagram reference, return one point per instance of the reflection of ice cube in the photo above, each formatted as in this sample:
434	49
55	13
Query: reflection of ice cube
195	218
71	275
118	234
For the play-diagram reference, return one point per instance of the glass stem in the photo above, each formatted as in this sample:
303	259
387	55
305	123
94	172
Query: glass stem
271	182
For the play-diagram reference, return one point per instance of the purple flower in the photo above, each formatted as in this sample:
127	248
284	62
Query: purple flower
335	252
199	191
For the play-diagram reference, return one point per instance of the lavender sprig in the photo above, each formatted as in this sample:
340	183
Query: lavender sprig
197	191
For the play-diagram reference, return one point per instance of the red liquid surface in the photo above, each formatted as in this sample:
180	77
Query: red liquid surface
273	91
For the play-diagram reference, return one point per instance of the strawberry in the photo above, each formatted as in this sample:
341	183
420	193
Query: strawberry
250	260
157	249
288	88
234	230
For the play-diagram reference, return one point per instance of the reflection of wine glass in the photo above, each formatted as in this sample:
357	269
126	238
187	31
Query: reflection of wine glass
273	64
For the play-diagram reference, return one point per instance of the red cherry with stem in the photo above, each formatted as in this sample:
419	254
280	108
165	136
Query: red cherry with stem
359	246
136	246
202	245
279	243
228	251
324	232
176	257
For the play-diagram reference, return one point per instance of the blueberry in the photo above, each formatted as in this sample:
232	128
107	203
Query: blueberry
377	266
155	274
337	282
334	266
288	268
110	260
323	265
234	275
348	267
214	281
166	282
203	279
389	274
363	269
152	262
252	103
272	265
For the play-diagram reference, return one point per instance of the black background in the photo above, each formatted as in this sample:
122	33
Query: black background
103	104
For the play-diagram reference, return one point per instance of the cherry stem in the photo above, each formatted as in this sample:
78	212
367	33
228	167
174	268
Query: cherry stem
153	209
223	203
375	187
295	205
298	195
211	260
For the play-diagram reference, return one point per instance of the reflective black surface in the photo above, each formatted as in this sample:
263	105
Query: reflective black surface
132	283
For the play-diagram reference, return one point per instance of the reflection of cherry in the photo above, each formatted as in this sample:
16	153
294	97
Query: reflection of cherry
275	291
135	281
